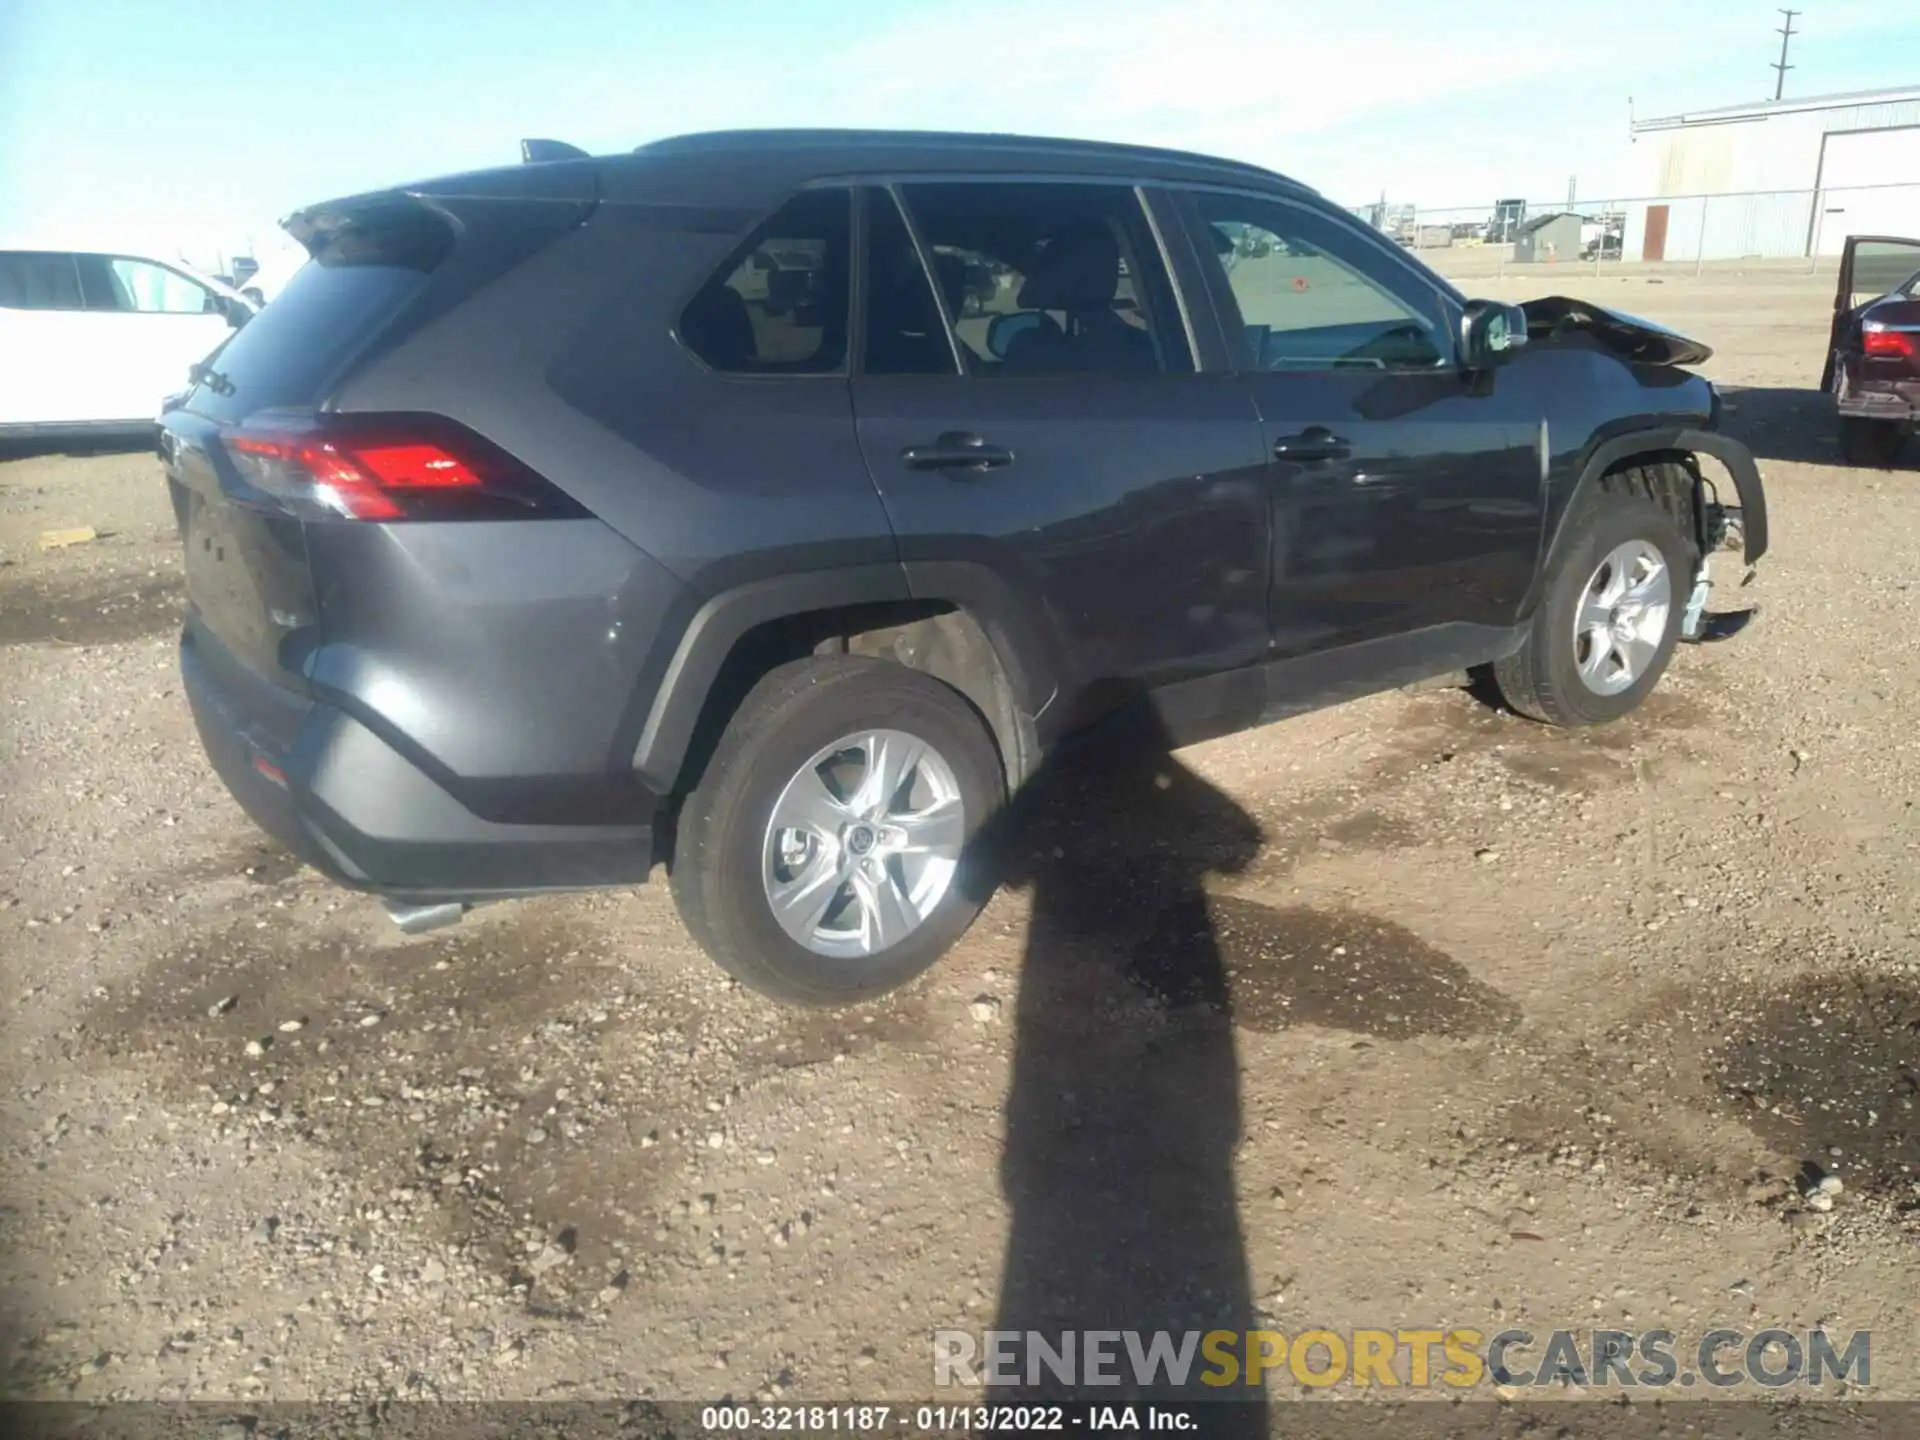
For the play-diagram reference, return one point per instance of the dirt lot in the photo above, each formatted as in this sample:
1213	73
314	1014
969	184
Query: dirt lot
1468	1022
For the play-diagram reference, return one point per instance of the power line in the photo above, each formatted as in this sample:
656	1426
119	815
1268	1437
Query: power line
1786	33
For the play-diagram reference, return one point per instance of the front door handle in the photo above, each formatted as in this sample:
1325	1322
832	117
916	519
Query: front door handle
957	450
1316	442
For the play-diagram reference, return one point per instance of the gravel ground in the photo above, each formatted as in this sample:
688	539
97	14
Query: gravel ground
1463	1021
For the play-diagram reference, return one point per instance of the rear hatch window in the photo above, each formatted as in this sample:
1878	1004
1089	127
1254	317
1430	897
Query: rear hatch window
362	273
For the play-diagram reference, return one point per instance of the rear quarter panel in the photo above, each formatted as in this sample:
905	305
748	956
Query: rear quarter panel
569	362
700	483
502	659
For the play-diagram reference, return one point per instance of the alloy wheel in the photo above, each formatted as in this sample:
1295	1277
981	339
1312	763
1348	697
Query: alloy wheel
1622	617
863	843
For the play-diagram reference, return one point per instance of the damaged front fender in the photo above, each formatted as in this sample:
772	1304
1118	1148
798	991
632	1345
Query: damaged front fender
1746	484
1558	317
1728	451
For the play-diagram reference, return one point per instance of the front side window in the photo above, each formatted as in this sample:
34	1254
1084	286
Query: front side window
38	280
156	290
126	286
778	304
1311	298
1049	279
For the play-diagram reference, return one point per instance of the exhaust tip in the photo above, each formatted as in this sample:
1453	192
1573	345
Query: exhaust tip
418	919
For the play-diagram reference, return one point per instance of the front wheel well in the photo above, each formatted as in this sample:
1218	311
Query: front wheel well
1671	479
936	637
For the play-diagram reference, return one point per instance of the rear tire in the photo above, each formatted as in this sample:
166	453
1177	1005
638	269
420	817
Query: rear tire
816	743
1606	625
1871	444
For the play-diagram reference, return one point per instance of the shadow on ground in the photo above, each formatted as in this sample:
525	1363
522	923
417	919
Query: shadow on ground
1787	423
1828	1071
132	442
1124	1114
100	612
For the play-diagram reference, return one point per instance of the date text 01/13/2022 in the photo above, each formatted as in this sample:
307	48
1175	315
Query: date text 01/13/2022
942	1419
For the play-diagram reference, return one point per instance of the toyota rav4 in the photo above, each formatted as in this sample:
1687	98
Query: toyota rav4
771	505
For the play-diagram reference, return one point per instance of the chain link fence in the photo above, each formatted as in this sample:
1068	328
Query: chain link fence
1809	225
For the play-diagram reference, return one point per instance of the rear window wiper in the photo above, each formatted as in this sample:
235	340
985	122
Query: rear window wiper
201	373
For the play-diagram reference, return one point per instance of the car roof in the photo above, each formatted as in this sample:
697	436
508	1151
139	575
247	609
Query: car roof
722	170
829	150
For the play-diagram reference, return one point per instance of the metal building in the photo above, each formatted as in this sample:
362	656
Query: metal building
1778	178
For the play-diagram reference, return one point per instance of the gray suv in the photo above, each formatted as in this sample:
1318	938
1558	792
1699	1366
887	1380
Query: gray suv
772	505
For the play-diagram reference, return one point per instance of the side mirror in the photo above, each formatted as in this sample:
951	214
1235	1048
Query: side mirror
1489	332
236	312
1004	328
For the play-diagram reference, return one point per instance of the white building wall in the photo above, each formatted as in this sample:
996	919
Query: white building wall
1779	152
1767	166
1856	195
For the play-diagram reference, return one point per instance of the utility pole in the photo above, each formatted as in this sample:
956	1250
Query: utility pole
1572	182
1786	38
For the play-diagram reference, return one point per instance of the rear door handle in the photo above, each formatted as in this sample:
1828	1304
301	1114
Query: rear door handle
1316	442
957	450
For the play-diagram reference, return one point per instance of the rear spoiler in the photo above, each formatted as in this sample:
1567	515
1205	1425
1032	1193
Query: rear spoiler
533	152
391	227
427	210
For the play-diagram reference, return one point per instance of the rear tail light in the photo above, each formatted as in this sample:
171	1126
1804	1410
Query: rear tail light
390	468
1889	344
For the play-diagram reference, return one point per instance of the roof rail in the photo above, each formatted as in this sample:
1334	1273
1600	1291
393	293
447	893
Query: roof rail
533	152
720	140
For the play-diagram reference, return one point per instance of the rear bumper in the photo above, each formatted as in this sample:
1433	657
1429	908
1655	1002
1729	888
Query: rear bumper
1880	400
346	802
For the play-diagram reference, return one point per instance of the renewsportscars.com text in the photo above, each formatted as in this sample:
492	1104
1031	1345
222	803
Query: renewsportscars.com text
1457	1358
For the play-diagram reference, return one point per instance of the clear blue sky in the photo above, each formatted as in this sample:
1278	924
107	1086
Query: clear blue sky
196	125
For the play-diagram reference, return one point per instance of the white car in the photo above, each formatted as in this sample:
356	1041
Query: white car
93	342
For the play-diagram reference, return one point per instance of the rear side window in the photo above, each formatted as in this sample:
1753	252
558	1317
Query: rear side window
778	305
1045	279
39	280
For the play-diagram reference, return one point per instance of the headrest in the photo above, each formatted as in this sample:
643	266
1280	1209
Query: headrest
788	288
718	328
1079	270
